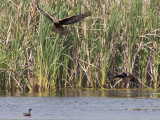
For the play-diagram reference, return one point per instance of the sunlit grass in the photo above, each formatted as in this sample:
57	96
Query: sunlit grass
119	36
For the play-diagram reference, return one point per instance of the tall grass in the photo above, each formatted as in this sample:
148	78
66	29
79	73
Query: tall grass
119	36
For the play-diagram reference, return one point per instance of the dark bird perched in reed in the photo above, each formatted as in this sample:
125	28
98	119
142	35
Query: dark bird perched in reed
58	24
27	114
127	77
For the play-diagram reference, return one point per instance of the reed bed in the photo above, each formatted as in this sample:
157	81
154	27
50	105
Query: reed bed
120	35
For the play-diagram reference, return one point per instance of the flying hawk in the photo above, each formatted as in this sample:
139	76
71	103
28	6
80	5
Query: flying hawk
58	24
126	76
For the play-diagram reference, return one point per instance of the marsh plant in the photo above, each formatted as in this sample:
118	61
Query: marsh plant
120	35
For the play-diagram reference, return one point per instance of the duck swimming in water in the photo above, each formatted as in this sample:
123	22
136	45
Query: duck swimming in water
27	114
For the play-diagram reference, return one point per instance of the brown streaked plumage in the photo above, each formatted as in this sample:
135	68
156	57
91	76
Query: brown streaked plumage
27	114
58	24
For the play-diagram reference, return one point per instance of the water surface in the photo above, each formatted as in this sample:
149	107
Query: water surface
83	105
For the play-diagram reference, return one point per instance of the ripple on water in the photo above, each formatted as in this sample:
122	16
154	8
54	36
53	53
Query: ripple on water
81	108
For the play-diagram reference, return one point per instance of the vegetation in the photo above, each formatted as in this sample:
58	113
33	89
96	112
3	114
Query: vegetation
119	36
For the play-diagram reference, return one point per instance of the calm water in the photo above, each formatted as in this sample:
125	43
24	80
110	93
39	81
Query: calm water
82	105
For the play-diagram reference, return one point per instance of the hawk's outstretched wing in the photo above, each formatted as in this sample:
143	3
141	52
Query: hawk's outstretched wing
65	21
58	24
121	75
74	19
47	15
